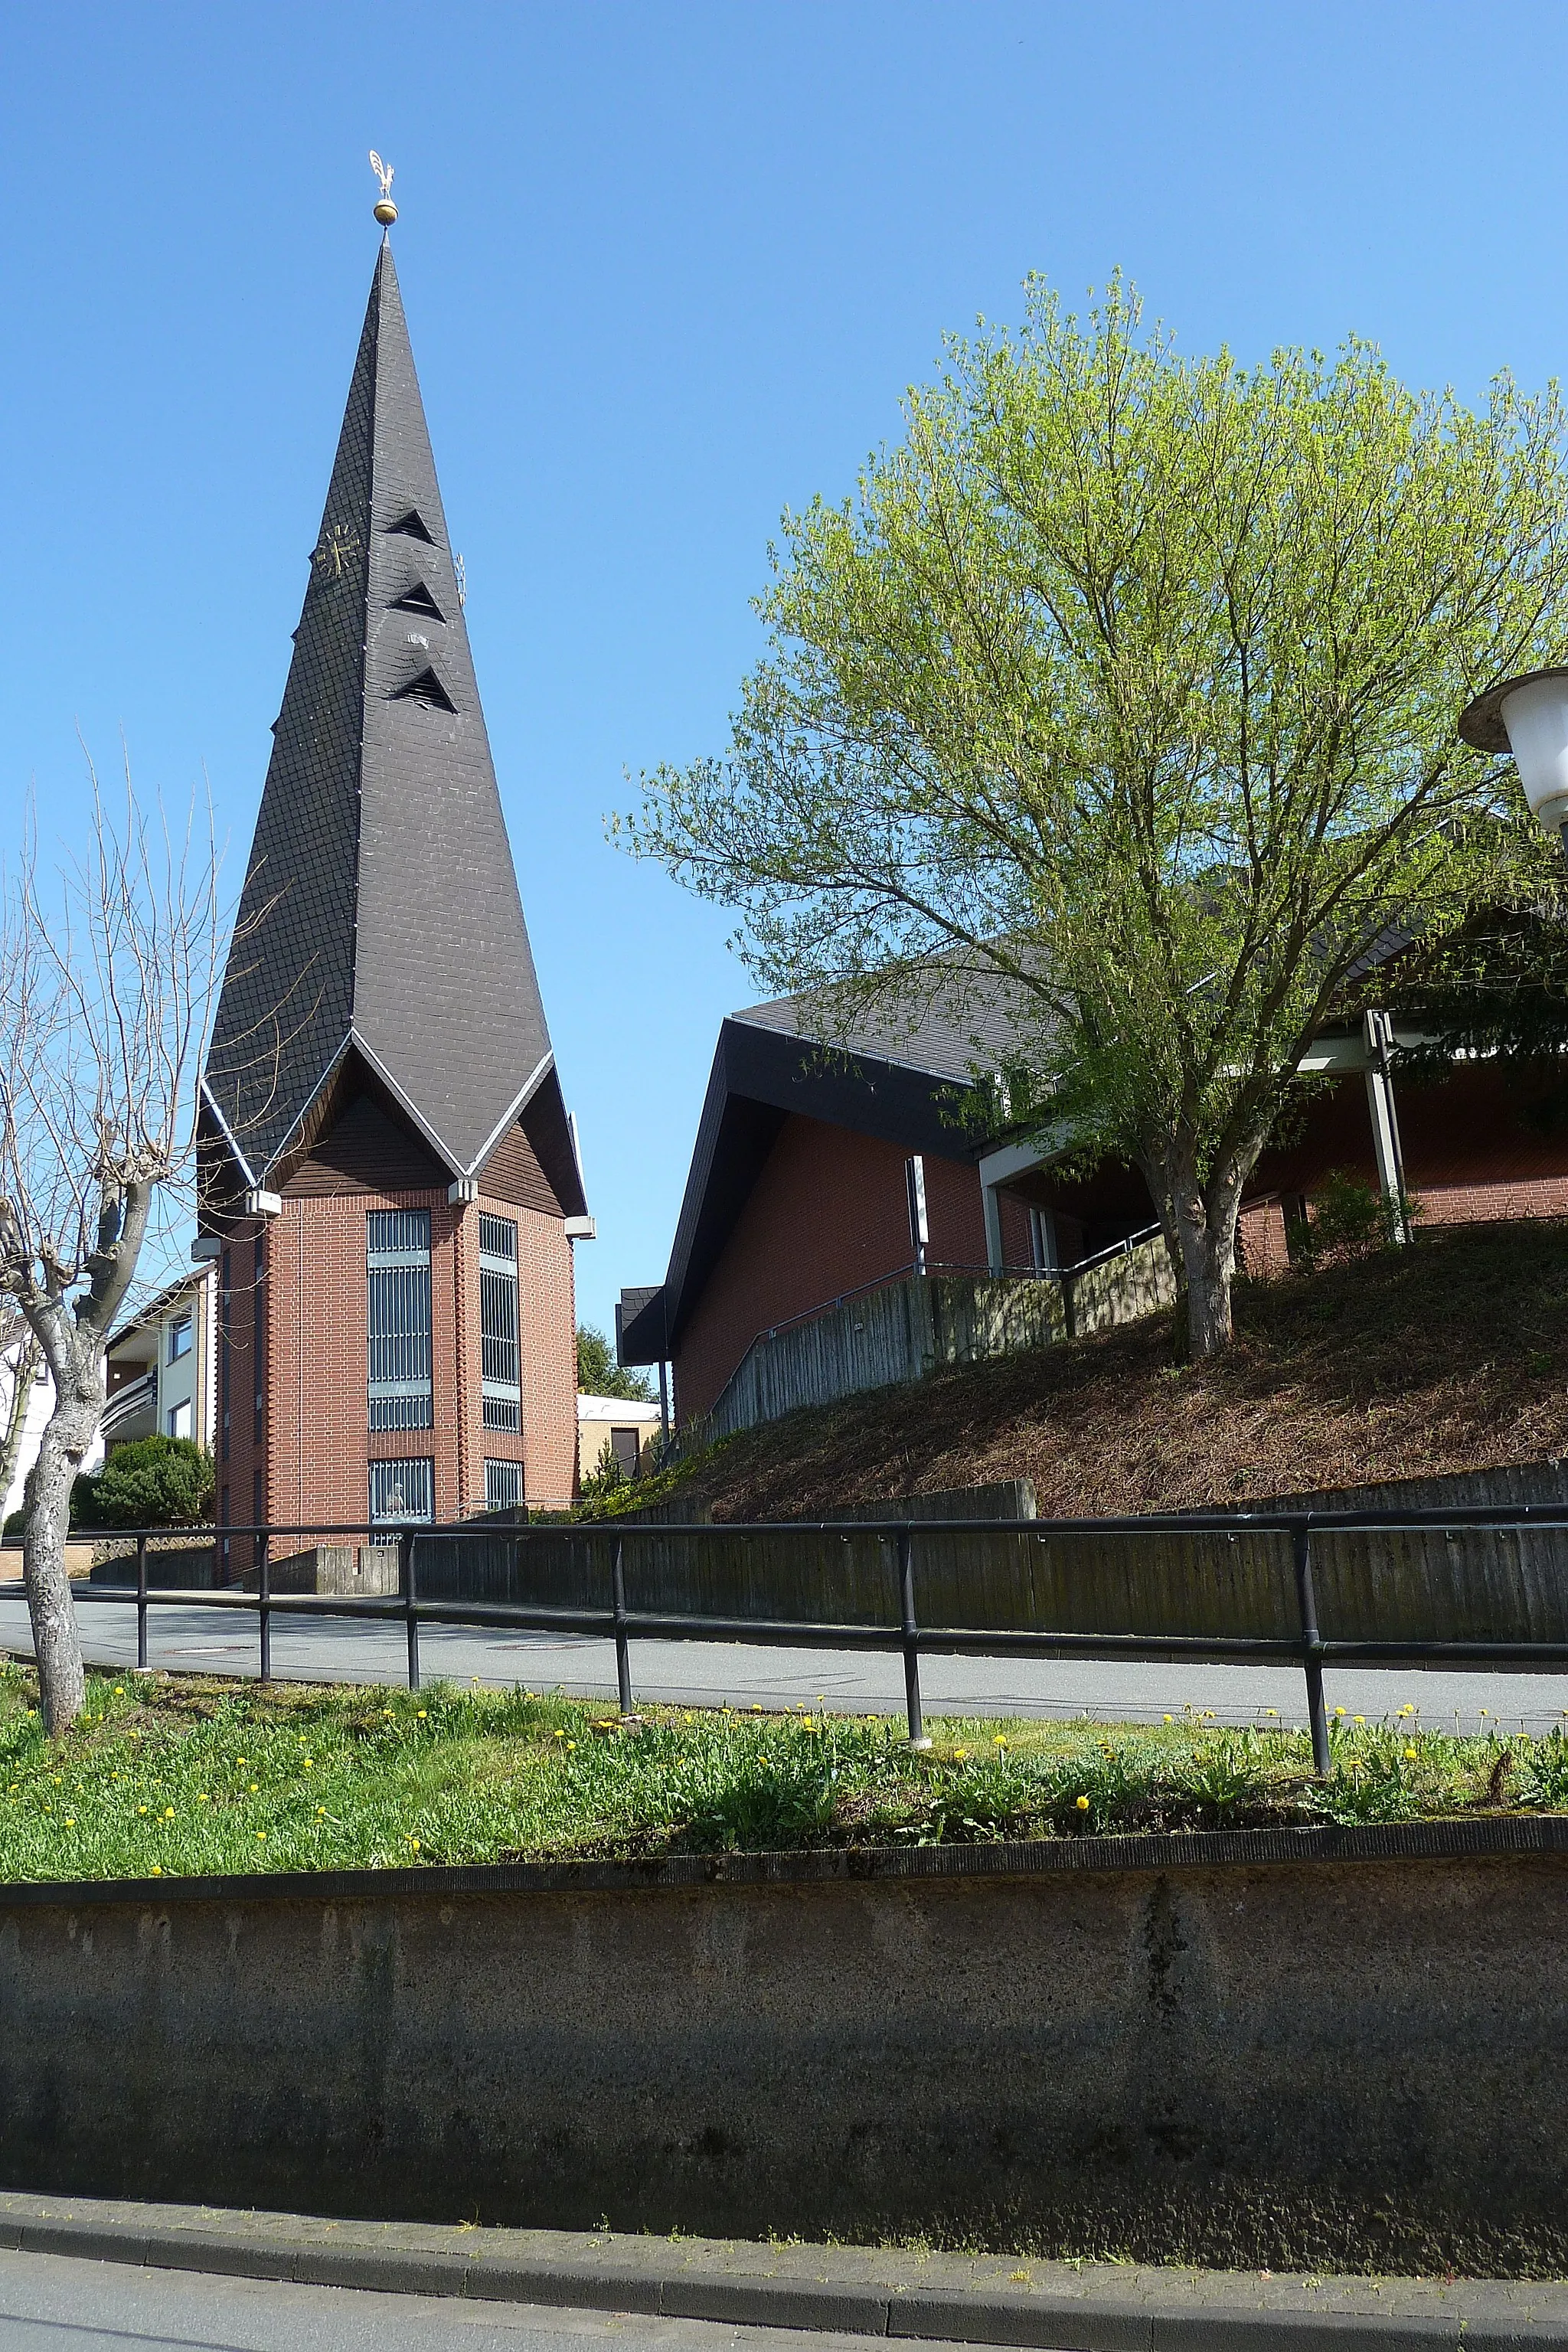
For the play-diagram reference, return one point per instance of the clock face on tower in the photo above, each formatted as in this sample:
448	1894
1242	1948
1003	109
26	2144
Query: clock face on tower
335	551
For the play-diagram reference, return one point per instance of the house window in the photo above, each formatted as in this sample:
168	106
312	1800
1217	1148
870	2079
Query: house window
499	1352
397	1259
403	1490
178	1419
503	1486
625	1445
179	1337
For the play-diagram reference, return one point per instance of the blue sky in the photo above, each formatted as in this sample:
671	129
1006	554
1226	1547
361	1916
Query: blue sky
668	268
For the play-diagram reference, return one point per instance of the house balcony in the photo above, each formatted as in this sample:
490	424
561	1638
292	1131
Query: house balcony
132	1411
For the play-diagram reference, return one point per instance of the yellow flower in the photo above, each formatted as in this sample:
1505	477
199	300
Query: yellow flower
560	1734
70	1821
961	1755
204	1799
1000	1741
1338	1710
157	1870
1410	1755
1360	1719
306	1762
261	1833
1082	1803
168	1813
415	1843
119	1693
1169	1718
321	1809
421	1713
571	1746
254	1786
141	1809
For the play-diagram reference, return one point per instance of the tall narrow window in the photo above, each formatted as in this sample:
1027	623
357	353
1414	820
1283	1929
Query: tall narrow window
258	1358
225	1343
397	1258
499	1364
403	1490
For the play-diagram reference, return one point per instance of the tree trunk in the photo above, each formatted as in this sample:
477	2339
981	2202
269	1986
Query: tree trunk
1200	1226
57	1639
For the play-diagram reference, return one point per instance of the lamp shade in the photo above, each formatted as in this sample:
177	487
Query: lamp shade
1529	717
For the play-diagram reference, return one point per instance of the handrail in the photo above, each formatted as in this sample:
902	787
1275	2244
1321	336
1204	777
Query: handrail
904	1631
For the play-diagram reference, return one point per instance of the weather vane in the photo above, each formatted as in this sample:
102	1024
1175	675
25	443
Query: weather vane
385	210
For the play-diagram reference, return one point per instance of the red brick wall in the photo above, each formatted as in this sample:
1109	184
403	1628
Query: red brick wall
318	1445
829	1211
1469	1154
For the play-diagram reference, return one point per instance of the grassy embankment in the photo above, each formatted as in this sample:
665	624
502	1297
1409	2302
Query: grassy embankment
174	1776
1405	1364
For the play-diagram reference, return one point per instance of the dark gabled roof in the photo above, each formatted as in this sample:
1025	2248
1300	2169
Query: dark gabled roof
381	904
764	1070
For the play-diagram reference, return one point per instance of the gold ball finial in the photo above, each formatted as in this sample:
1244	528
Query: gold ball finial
385	210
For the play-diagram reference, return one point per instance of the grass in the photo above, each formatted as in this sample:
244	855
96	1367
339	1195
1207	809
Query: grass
168	1775
1452	1355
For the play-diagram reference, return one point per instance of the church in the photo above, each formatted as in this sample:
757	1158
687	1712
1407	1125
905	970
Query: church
390	1180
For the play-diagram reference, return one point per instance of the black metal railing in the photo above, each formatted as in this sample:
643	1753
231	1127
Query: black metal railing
1309	1647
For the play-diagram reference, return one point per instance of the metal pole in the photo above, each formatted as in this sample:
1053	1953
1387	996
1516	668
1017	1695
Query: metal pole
618	1606
405	1581
141	1604
911	1638
264	1587
1311	1646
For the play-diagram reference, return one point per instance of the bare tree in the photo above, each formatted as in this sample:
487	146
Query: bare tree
107	978
15	1334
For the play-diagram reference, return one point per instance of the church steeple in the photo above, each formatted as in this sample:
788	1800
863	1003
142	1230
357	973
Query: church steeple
380	923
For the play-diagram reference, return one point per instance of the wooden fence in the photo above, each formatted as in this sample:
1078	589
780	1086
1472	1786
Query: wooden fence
919	1324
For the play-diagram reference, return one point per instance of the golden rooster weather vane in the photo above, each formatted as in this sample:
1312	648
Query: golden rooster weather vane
385	210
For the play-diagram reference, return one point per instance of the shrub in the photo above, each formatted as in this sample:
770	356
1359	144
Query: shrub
1348	1219
158	1482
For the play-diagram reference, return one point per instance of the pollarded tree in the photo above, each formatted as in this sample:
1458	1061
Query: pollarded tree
1126	688
106	982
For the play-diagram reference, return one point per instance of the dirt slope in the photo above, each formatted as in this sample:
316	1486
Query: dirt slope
1452	1355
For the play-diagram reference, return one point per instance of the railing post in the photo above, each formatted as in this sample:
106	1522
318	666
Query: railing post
619	1609
141	1604
264	1589
410	1614
912	1637
1311	1646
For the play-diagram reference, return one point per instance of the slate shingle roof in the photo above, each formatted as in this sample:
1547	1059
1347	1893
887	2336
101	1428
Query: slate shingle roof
381	906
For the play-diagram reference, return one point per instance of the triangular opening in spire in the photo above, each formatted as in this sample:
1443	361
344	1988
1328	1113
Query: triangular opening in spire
427	689
418	599
413	526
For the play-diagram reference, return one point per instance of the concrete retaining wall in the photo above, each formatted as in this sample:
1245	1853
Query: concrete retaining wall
1285	2050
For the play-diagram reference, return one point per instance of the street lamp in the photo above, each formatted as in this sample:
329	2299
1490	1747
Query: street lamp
1529	717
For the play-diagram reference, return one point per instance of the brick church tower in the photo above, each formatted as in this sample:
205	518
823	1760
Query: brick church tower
390	1179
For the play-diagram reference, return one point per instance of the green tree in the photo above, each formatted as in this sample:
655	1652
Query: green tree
156	1482
1125	690
598	1374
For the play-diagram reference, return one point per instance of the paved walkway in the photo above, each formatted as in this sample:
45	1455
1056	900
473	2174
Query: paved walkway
486	2275
193	1640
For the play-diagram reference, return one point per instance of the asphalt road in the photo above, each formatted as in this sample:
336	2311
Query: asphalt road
193	1640
53	2302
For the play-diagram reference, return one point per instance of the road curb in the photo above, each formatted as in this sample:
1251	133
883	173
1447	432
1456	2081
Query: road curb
1066	2311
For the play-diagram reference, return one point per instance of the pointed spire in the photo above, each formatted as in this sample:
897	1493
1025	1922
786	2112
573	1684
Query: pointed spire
381	911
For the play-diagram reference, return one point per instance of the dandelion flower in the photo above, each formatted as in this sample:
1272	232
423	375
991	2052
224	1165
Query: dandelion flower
961	1755
168	1813
1082	1803
321	1809
1338	1710
306	1762
157	1870
70	1821
421	1713
415	1843
260	1834
141	1809
1170	1718
1359	1718
1410	1756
